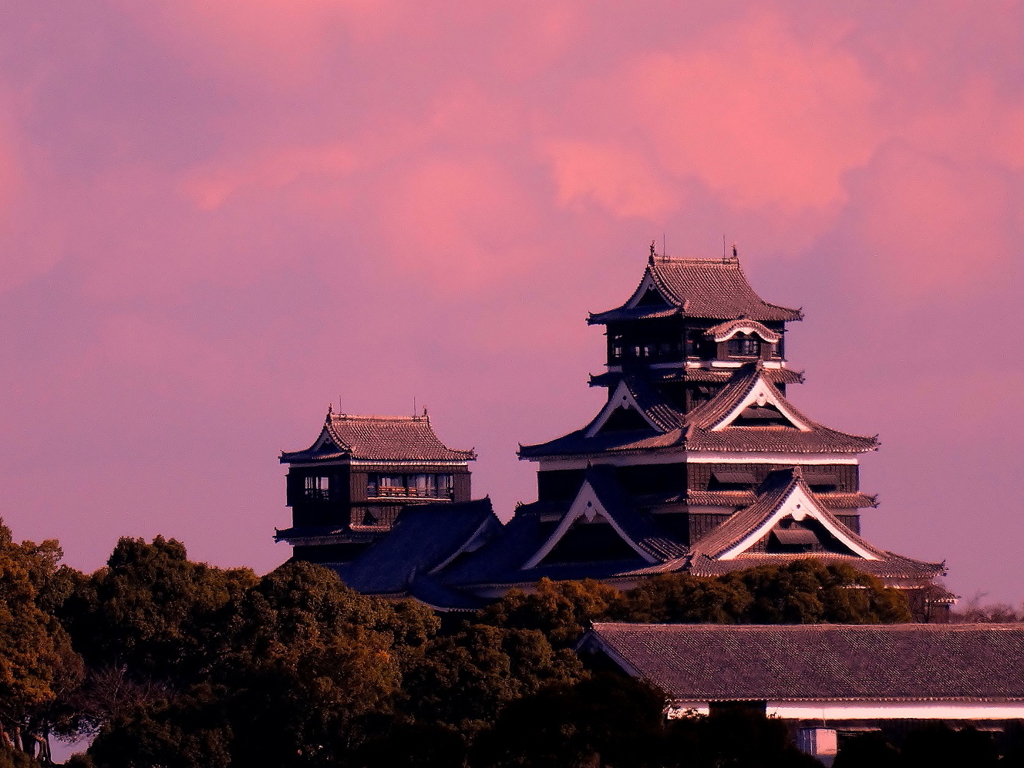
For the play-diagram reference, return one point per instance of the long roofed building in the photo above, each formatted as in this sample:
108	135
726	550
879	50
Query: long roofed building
697	461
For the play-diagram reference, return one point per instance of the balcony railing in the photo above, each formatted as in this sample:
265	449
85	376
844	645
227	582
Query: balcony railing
399	492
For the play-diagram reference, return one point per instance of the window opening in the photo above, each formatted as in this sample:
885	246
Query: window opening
744	346
419	485
317	486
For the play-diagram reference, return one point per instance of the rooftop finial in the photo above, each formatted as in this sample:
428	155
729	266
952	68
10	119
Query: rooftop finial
651	258
735	255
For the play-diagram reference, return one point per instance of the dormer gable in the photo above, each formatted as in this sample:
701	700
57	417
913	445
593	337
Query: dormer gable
762	406
587	509
796	504
325	443
621	410
648	294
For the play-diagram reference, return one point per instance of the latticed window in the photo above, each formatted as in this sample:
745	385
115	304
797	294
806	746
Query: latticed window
744	346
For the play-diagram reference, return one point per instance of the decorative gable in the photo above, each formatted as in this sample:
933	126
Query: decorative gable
648	294
586	509
799	505
325	443
621	411
761	406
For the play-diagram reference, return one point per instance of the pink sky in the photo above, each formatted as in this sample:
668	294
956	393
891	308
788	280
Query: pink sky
217	216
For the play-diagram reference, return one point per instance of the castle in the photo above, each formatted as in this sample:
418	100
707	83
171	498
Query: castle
697	462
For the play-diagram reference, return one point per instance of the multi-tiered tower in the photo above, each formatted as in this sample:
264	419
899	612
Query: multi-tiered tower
697	462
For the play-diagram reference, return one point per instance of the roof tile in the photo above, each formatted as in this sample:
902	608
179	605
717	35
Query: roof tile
901	662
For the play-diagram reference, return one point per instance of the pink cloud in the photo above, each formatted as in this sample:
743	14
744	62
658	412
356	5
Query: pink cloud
623	182
763	116
211	188
284	42
930	228
456	223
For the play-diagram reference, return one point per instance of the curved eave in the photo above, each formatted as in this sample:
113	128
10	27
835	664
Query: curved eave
632	313
724	442
698	375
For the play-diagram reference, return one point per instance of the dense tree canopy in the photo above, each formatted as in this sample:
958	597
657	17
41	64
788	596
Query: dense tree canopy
179	664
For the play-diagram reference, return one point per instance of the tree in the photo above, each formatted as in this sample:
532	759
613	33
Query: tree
37	662
151	611
562	610
738	736
686	599
605	720
465	680
300	670
938	746
809	592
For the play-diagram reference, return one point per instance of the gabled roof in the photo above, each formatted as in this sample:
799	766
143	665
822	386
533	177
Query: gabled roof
424	538
713	289
377	438
708	427
518	555
601	495
783	494
896	662
637	395
500	562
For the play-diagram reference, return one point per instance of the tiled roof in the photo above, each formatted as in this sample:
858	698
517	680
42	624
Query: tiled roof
893	569
897	662
379	438
695	430
836	500
713	289
501	560
423	537
698	375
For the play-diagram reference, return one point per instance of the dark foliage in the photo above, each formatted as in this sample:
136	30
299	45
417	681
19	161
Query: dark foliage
939	746
603	720
868	750
179	664
737	737
802	592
